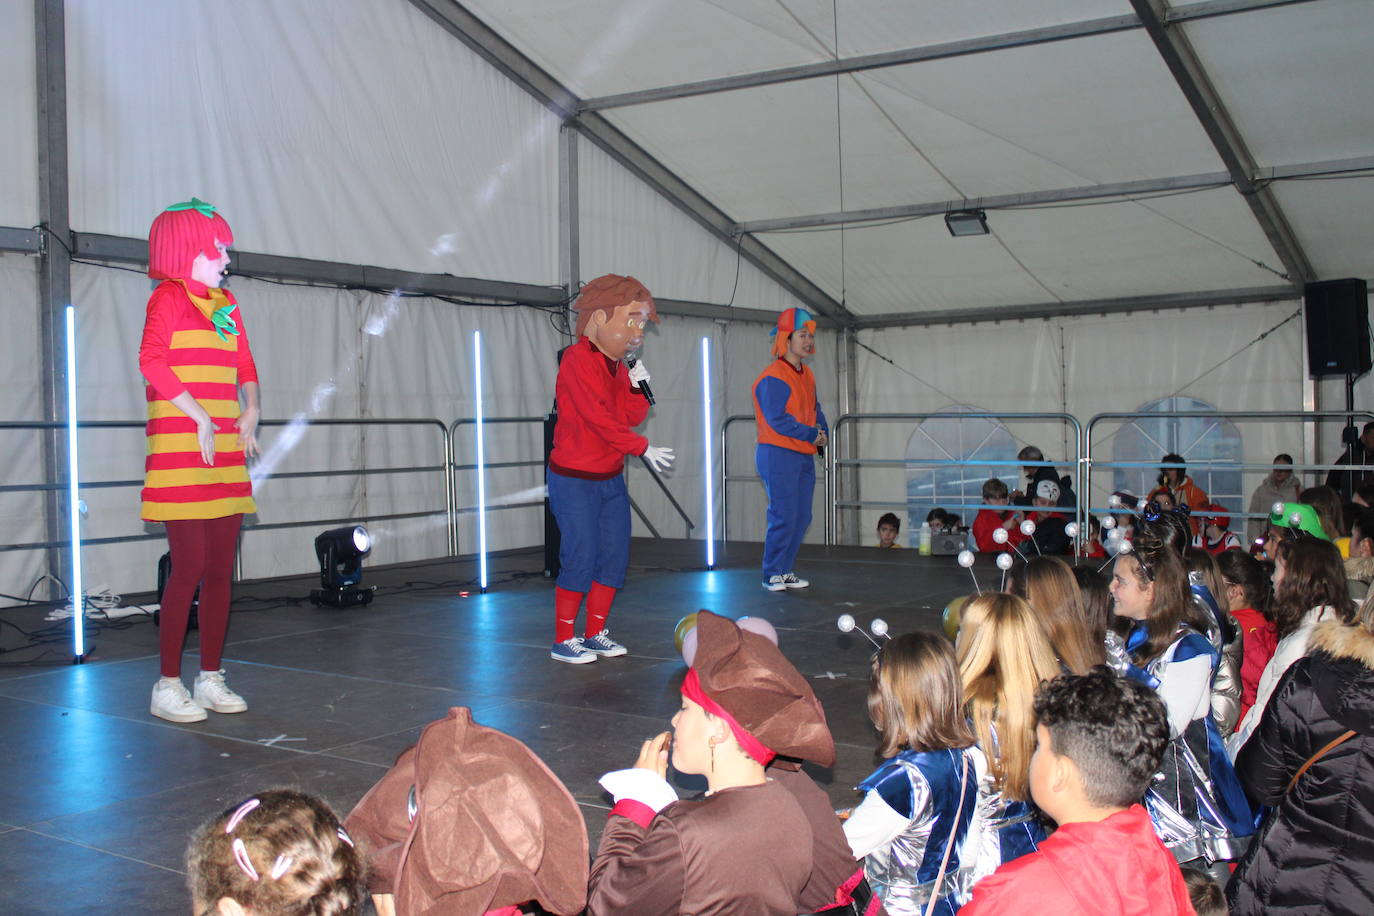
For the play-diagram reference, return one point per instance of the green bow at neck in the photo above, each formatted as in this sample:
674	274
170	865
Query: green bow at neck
195	203
224	321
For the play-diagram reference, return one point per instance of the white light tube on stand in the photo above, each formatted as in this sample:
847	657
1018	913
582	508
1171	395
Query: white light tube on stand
481	464
709	479
78	596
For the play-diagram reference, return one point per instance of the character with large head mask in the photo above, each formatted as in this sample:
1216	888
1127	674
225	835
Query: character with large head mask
601	398
195	358
791	427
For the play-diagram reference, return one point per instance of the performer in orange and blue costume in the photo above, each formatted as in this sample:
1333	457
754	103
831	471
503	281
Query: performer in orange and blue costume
791	427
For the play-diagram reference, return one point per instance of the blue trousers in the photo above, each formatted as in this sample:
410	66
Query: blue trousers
594	529
790	480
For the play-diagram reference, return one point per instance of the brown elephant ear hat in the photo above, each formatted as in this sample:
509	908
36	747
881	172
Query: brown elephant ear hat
470	820
743	678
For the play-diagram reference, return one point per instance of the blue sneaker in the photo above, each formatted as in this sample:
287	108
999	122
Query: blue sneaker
571	651
602	644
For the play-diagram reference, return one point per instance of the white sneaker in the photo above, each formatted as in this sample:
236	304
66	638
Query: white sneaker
775	583
791	580
173	703
212	693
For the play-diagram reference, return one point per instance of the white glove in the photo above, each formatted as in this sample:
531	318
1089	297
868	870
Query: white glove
659	457
638	374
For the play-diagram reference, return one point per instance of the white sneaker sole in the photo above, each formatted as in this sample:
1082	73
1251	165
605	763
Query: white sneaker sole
610	653
574	660
178	717
225	708
773	587
796	584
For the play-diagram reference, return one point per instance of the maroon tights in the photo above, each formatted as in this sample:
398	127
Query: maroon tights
202	554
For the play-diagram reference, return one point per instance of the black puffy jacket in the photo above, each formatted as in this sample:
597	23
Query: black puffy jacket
1315	852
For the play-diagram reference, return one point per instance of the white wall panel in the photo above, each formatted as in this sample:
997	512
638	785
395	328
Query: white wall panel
358	131
18	111
21	514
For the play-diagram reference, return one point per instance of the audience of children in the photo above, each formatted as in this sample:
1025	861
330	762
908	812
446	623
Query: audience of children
1246	582
1100	740
1048	586
1215	535
1049	536
889	527
1004	655
911	827
1197	805
987	521
1310	760
1309	588
279	852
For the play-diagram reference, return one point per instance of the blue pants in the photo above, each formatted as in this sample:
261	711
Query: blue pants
790	480
594	529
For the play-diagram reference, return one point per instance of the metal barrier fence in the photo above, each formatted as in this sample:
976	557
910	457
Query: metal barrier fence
1090	465
837	458
726	478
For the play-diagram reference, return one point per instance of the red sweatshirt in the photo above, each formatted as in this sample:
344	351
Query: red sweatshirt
989	520
596	410
1259	640
1114	867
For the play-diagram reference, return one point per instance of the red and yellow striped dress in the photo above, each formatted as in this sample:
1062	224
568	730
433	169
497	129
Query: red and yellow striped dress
181	351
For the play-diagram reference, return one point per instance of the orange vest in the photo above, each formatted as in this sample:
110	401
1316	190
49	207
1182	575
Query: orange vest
801	404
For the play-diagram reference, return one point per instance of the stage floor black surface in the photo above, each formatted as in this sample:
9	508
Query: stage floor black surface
97	798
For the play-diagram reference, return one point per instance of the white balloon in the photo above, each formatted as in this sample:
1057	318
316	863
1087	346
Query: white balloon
845	623
878	626
1108	522
1028	527
1115	534
1114	501
966	558
1071	530
999	536
1004	561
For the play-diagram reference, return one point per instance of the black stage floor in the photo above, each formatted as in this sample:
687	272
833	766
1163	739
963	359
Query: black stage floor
97	798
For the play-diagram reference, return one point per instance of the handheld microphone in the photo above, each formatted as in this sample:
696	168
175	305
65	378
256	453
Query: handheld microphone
630	363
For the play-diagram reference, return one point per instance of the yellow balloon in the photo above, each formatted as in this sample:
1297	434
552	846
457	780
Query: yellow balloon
684	626
952	615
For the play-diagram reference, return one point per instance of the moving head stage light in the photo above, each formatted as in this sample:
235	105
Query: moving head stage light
340	552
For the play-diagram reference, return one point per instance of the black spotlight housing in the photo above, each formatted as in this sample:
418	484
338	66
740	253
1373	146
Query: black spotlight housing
340	552
966	222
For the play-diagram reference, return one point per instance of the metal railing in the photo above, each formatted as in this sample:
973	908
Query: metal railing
454	509
726	478
836	458
38	425
1089	464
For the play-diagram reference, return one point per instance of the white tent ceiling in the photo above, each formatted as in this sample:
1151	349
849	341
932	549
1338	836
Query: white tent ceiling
1030	117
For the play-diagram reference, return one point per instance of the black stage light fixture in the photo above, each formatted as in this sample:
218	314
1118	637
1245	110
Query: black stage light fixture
340	552
967	222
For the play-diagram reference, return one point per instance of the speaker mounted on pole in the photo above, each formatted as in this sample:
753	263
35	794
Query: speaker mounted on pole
1337	314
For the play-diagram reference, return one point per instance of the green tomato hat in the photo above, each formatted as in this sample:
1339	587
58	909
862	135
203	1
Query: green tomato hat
1298	517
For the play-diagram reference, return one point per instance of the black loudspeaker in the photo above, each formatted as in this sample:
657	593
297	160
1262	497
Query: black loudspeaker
1337	314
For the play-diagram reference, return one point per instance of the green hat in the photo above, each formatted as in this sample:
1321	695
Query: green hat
1297	516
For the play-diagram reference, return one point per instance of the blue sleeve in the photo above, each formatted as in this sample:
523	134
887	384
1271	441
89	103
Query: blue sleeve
892	783
820	417
773	394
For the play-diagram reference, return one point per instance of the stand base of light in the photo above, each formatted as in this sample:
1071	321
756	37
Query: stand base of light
341	597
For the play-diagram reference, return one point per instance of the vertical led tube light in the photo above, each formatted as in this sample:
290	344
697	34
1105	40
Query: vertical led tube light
709	478
481	463
78	596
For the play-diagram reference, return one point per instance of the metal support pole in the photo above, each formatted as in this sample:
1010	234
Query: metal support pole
569	228
54	258
846	480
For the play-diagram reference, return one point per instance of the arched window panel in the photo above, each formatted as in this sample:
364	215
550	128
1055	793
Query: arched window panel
1201	441
952	437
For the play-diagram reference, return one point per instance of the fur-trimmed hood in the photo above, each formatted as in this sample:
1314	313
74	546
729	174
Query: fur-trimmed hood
1342	669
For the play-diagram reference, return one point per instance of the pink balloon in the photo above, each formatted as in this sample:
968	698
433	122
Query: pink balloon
689	646
760	626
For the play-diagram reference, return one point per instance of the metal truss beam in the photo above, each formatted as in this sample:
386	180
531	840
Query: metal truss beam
1081	307
945	50
489	45
1182	61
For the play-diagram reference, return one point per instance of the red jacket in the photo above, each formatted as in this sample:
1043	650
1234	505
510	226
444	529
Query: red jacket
986	522
596	410
1259	640
1114	867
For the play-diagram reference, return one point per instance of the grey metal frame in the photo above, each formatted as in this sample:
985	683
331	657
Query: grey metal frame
58	545
727	478
836	458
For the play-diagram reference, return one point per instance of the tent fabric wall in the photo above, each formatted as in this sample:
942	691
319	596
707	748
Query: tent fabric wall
18	108
322	147
21	462
1081	366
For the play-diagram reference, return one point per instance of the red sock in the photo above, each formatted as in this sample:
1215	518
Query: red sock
599	600
565	605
